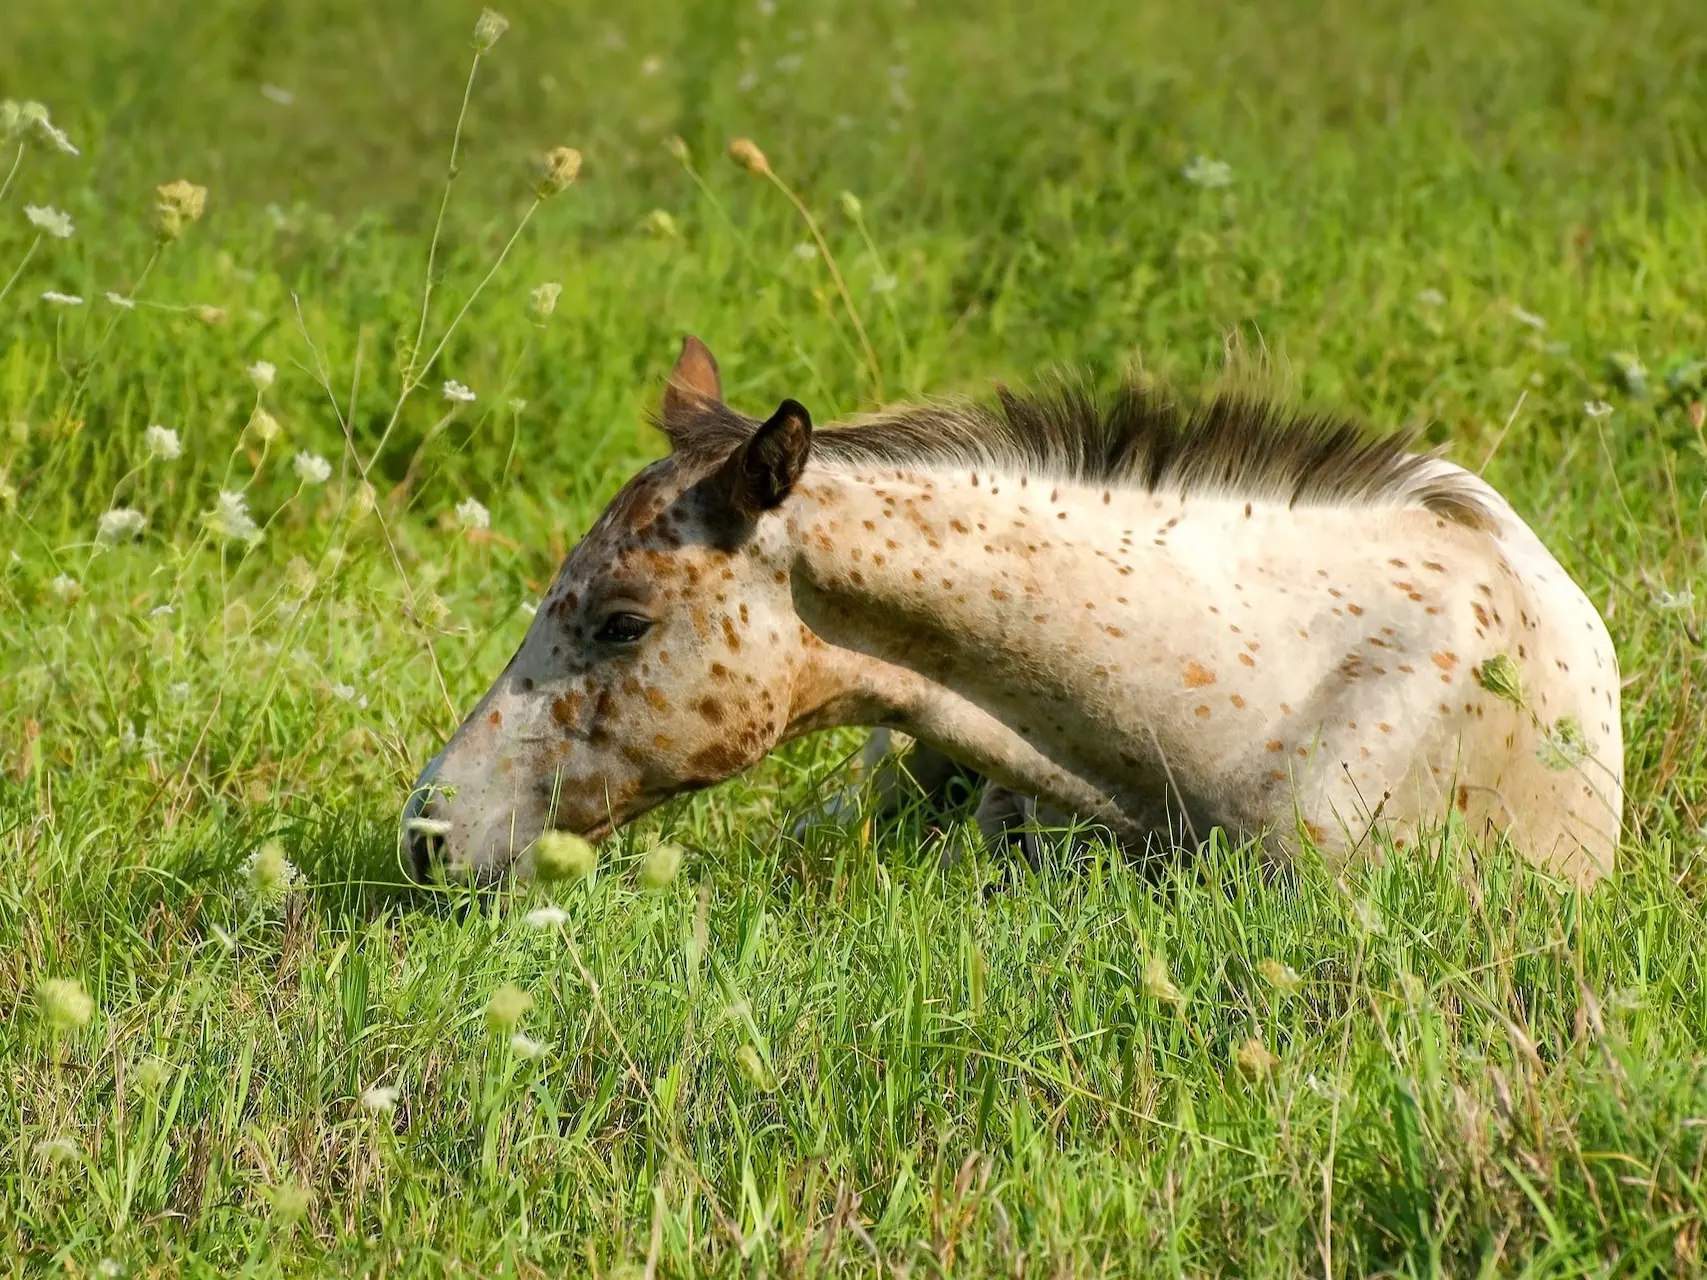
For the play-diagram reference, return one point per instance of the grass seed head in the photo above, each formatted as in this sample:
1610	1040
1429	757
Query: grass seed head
677	146
508	1006
557	855
63	1004
562	165
745	152
177	205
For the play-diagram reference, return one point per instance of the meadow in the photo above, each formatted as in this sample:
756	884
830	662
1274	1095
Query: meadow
354	440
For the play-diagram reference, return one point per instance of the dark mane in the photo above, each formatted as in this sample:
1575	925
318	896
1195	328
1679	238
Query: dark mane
1231	444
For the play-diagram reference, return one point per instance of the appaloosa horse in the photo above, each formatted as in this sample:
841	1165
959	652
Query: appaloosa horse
1154	619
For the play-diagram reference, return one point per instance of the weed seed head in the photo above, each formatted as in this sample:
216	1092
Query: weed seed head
661	865
177	205
270	878
1281	976
557	855
163	443
49	221
508	1006
562	164
311	468
471	514
1255	1060
1501	676
64	1005
489	29
745	152
120	525
542	301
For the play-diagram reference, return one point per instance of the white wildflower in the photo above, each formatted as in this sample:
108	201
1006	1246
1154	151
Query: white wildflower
261	373
162	442
525	1046
47	219
230	518
470	514
61	299
379	1098
56	135
1670	600
277	94
884	282
651	65
109	1267
455	391
311	468
1208	174
120	524
119	300
1596	408
549	916
517	404
1528	317
805	251
66	587
1431	298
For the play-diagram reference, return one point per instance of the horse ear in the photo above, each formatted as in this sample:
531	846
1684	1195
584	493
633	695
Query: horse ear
763	470
694	383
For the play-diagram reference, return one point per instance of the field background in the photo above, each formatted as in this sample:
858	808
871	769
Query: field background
1479	217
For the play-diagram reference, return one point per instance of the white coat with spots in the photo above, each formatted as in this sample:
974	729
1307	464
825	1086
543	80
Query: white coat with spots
1150	619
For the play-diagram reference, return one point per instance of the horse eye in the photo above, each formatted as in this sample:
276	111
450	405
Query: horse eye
623	628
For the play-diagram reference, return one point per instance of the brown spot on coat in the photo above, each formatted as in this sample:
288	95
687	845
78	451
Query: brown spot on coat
1197	676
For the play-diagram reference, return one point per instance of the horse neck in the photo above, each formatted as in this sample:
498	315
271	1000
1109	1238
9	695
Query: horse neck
991	614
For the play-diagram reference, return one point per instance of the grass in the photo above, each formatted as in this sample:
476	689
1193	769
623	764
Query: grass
838	1057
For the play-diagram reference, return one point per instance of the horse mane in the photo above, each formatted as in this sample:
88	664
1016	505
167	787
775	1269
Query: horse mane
1232	444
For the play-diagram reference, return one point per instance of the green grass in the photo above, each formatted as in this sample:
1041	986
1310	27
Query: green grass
977	1071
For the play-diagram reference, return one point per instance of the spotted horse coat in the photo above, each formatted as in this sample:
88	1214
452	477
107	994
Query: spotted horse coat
1147	617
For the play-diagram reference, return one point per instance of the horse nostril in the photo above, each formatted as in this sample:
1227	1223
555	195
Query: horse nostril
425	838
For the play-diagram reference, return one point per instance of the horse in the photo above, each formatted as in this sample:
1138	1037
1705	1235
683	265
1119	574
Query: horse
1135	614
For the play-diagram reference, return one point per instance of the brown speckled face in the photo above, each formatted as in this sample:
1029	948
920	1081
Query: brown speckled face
663	659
